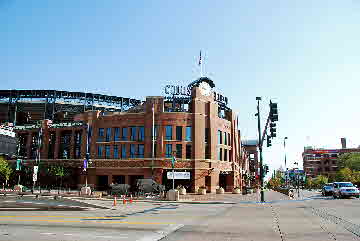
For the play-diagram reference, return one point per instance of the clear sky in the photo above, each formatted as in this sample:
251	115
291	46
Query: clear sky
304	54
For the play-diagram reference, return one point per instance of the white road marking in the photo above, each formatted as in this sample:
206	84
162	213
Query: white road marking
68	234
48	233
162	233
9	201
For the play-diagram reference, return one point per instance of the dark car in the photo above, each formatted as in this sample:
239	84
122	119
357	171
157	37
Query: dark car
328	189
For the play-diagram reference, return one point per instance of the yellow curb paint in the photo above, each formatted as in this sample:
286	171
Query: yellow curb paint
82	221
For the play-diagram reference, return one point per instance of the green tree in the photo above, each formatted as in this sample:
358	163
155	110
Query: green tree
58	171
5	170
321	181
309	183
345	175
349	160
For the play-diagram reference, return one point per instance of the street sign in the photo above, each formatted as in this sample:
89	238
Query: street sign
178	175
34	177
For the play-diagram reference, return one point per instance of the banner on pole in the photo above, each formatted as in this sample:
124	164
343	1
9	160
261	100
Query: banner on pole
36	168
178	175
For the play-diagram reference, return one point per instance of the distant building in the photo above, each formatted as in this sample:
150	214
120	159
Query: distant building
8	141
321	161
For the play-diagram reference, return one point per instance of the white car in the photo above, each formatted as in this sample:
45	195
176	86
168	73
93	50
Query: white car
345	189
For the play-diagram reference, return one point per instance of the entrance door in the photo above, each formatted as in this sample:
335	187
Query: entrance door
132	180
118	179
208	183
102	183
222	181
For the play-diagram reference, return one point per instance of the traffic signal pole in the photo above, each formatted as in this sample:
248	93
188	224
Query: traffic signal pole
260	151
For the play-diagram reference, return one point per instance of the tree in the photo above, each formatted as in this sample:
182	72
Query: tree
345	175
321	180
309	184
350	160
5	170
58	171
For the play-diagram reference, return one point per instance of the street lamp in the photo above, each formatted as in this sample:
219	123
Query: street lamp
297	179
286	178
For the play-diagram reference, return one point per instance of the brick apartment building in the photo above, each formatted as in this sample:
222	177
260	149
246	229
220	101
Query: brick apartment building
200	131
319	161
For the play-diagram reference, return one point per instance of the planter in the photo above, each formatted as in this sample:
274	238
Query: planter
202	191
220	190
236	191
182	191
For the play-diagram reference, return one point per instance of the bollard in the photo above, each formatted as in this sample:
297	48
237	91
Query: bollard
131	199
124	200
114	204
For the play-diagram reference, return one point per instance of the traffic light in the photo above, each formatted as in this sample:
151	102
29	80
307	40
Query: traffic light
268	140
273	112
272	130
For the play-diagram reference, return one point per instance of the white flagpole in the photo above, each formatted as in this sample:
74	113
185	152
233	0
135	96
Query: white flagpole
153	141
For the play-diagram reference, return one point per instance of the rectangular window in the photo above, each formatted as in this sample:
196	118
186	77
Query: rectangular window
123	151
188	151
100	151
168	132
101	134
132	151
179	150
124	134
179	133
207	152
188	134
116	151
156	129
141	133
220	154
116	134
168	150
229	140
108	134
154	150
107	151
132	133
230	155
207	135
225	154
219	137
225	138
141	150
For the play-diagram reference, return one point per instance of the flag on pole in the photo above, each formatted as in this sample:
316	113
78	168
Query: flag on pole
200	61
85	164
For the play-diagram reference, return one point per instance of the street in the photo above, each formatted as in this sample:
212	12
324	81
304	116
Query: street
231	217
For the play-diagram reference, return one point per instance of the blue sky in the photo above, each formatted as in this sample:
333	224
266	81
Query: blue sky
303	54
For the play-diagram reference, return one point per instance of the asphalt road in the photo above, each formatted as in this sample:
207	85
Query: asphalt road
234	217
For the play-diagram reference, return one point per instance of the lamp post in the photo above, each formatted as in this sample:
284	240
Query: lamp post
260	151
286	178
297	179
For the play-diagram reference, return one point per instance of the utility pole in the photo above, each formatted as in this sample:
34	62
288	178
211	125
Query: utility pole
260	151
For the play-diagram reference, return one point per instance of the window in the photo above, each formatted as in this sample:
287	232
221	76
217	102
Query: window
220	154
116	134
179	133
207	152
219	137
207	135
132	151
168	150
107	151
132	133
123	151
225	138
100	151
188	151
116	151
179	150
230	155
141	133
188	134
124	134
101	134
225	154
108	134
141	150
229	140
168	132
154	150
156	129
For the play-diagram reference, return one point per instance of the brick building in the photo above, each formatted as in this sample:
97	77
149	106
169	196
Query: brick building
204	137
320	161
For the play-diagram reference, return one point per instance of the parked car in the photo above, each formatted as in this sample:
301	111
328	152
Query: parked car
345	189
327	189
